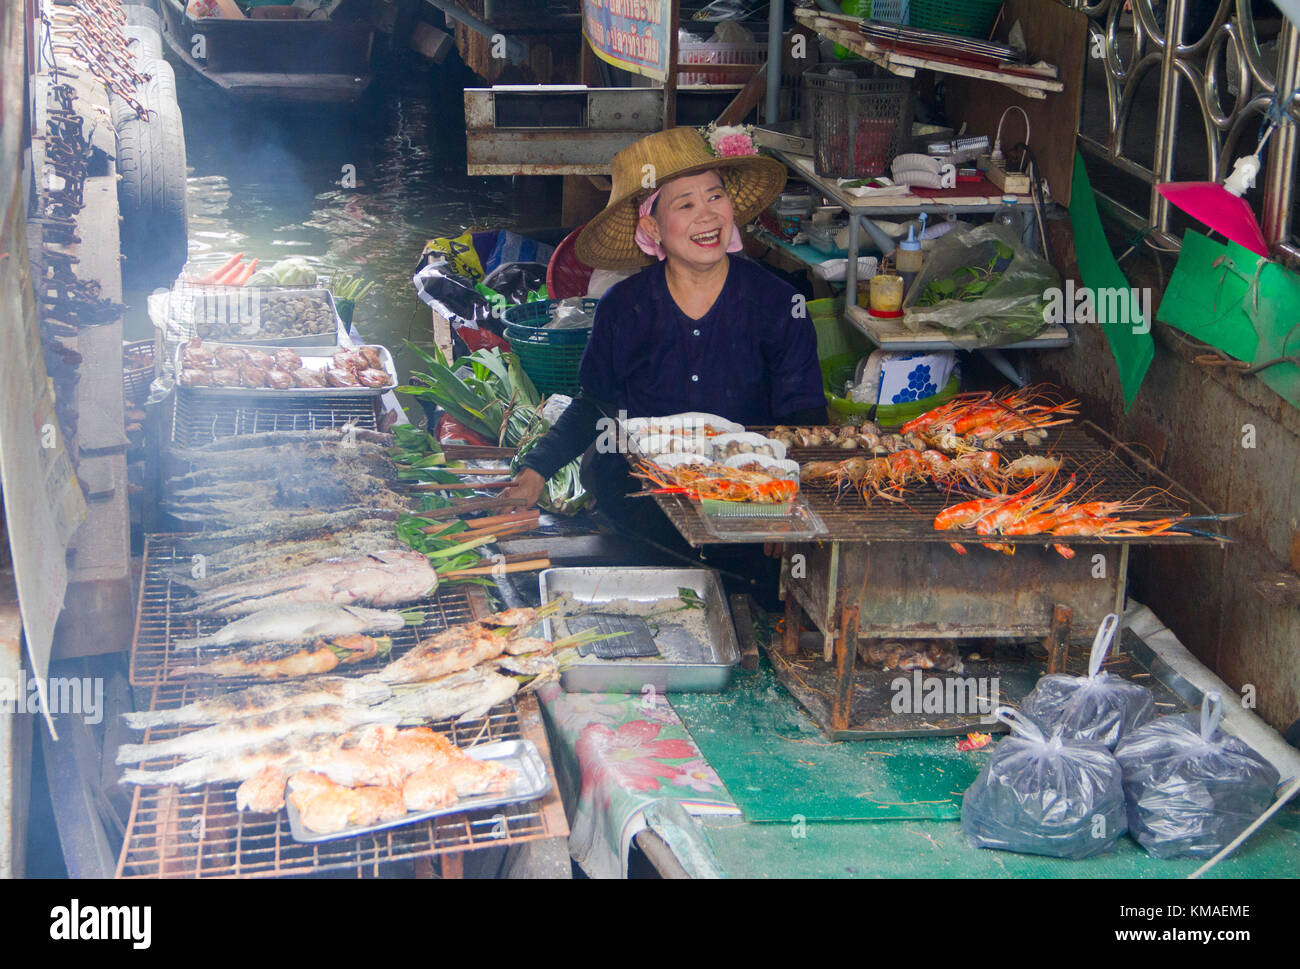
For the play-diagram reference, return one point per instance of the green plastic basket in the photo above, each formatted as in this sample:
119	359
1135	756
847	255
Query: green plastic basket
839	348
965	18
549	357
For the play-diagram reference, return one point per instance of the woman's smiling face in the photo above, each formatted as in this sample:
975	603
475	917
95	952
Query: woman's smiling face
693	219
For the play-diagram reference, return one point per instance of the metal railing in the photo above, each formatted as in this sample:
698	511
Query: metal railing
1129	38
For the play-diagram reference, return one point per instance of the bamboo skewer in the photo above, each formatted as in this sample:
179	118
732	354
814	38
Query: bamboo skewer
500	568
467	505
529	518
473	471
469	451
461	485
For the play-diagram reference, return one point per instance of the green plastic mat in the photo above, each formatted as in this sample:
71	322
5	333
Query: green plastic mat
938	849
779	767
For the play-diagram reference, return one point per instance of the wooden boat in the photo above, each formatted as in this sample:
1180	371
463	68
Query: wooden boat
279	54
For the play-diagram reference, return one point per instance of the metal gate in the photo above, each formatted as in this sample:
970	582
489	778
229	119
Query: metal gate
1215	57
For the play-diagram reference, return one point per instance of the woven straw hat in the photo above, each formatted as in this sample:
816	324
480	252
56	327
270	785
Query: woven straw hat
608	241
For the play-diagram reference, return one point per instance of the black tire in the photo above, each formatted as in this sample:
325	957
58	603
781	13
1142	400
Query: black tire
151	192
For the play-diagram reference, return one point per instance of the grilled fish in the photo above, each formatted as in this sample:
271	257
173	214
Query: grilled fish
245	732
319	691
384	578
301	555
276	661
286	528
467	695
459	648
298	623
245	442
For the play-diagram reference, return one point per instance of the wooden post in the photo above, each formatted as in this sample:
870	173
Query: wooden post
1057	642
846	654
790	634
670	80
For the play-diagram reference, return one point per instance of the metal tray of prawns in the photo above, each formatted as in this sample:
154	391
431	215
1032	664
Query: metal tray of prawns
313	358
532	781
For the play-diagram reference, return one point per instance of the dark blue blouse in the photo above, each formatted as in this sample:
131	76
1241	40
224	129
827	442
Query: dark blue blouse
750	359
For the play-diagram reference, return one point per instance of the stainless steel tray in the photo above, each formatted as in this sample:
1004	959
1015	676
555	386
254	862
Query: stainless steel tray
181	316
686	665
533	781
322	359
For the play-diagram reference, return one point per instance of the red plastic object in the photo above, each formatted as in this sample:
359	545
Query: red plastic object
565	275
451	431
481	339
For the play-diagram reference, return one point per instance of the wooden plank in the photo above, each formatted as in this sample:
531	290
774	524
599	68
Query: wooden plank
743	619
1060	36
746	98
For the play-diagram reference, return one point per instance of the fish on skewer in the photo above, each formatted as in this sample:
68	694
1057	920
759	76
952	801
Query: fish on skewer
262	699
275	661
466	695
327	753
300	557
264	439
298	623
285	528
384	578
245	732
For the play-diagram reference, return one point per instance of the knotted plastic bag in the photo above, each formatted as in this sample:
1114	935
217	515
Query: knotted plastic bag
1057	797
1189	787
1100	706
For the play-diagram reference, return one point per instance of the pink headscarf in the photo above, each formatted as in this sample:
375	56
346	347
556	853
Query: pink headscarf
651	247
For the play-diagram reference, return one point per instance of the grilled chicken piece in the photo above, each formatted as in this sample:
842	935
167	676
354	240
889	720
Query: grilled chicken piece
263	793
470	777
428	789
377	804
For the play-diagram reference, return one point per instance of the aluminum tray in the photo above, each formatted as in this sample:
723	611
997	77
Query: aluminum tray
533	782
685	666
325	359
181	320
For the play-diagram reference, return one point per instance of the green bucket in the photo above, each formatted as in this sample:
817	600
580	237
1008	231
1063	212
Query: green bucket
549	357
839	348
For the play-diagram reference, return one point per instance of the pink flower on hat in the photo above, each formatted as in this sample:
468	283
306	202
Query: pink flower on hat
732	145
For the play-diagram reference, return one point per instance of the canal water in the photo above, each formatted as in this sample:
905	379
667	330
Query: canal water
272	182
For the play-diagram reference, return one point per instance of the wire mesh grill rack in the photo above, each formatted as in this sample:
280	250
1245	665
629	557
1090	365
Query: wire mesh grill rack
200	420
1104	470
161	617
198	833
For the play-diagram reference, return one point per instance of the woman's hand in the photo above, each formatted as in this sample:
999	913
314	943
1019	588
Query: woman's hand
525	488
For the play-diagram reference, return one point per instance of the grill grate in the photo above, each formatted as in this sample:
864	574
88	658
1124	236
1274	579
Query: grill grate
1105	472
198	833
161	619
198	420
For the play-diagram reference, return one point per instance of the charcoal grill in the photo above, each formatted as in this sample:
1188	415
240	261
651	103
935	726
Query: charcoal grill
198	833
885	572
198	420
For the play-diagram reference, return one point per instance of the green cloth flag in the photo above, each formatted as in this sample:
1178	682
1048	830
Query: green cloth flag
1227	296
1130	340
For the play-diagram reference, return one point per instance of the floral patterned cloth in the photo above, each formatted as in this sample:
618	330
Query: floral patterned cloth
630	751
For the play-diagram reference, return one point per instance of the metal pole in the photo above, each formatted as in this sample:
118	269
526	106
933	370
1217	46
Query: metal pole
1279	177
1162	165
775	28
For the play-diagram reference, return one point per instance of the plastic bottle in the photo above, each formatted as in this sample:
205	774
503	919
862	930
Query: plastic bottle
908	259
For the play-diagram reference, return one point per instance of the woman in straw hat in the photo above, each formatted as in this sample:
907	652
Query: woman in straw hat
698	329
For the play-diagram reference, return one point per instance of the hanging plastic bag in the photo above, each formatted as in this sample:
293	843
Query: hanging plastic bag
1057	797
459	253
517	280
1189	787
1100	707
982	287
